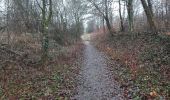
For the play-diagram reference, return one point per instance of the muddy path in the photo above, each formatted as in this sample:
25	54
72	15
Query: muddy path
95	81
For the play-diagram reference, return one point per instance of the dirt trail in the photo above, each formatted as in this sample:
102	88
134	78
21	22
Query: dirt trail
95	81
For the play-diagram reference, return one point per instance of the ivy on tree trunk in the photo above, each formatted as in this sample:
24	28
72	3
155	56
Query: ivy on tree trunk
46	18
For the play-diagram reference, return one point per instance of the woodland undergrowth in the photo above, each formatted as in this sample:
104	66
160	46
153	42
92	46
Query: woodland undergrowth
143	63
23	77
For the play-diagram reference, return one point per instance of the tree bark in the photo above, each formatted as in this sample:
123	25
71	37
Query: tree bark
130	14
106	17
167	14
108	25
45	22
150	6
149	16
121	19
103	22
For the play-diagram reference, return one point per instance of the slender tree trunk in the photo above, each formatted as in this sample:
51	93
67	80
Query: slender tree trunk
149	16
7	21
108	25
167	15
168	7
121	19
103	20
162	12
106	17
44	34
130	14
45	22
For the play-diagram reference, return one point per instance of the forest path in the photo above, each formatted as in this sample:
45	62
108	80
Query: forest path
95	81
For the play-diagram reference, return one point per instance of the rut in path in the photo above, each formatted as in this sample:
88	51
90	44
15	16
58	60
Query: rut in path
95	81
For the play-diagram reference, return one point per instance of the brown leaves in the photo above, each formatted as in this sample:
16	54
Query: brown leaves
153	93
143	58
31	81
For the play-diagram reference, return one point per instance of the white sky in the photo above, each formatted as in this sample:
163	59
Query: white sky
2	5
115	8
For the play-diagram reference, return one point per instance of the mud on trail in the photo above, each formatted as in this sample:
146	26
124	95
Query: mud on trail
95	81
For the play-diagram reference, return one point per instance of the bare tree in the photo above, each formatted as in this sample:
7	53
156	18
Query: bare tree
46	18
104	14
150	6
167	9
130	14
149	16
121	18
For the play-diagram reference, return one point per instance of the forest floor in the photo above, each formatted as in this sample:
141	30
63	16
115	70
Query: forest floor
143	61
22	77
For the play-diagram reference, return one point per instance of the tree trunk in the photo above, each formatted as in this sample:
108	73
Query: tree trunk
121	19
150	6
130	14
106	17
108	25
149	16
103	25
7	21
167	14
45	23
44	34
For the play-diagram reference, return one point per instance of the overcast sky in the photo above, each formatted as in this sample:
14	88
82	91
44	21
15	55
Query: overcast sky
2	7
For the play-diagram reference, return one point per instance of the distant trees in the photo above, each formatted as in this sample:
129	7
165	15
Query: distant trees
103	7
63	19
139	14
90	26
78	9
22	16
